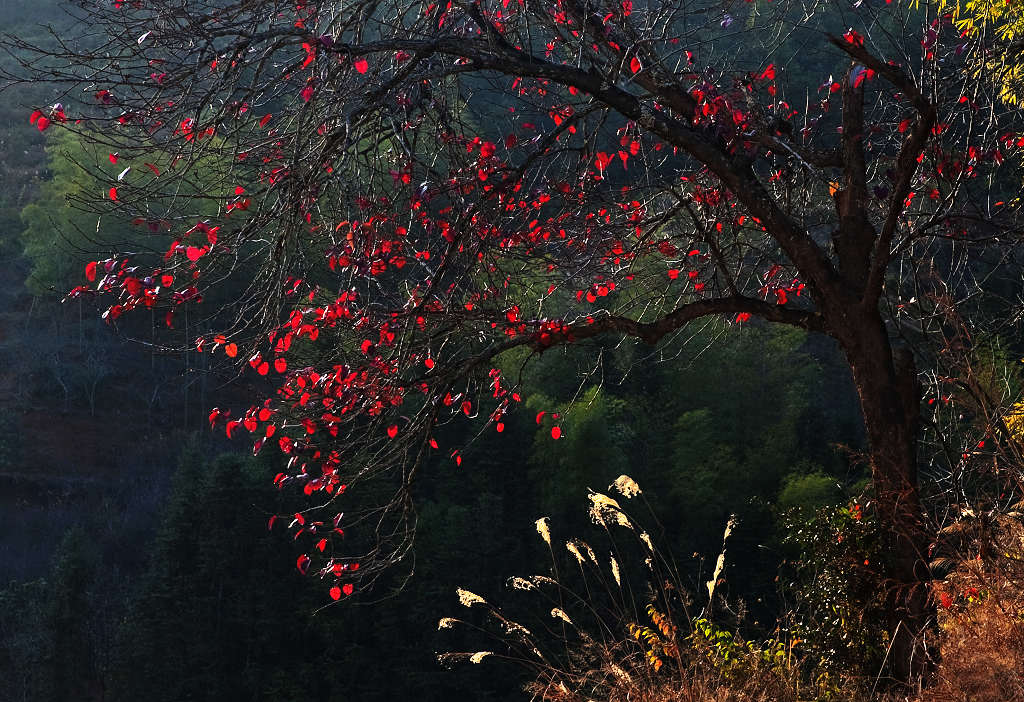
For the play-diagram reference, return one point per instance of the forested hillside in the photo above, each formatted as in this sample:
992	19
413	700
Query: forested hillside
148	552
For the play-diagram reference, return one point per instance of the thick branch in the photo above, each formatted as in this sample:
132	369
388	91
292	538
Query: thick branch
652	332
856	235
890	71
906	164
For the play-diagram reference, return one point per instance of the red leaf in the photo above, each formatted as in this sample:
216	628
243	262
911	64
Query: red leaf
112	192
854	37
42	124
302	563
540	415
556	433
361	65
393	431
231	350
113	158
347	589
90	271
335	593
634	65
280	365
321	545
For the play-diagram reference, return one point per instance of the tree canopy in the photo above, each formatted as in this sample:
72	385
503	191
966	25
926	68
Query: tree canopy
402	197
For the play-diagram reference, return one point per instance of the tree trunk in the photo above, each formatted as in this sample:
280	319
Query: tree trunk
886	381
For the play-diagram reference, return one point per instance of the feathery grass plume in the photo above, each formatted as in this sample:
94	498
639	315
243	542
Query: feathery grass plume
560	614
518	583
626	486
720	564
516	628
646	538
450	657
543	530
619	673
578	547
571	547
623	649
468	599
508	626
446	623
479	656
602	507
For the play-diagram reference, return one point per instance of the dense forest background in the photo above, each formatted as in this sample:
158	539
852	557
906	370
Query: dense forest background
135	562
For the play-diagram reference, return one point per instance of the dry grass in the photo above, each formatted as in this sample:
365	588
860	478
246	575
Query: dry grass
981	622
665	651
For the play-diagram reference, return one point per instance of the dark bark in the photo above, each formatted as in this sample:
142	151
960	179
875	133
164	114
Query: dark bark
887	384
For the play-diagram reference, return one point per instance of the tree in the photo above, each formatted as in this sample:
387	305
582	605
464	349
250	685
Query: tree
999	27
405	192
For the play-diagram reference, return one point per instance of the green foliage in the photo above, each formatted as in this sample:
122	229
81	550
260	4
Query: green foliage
210	559
21	153
999	23
597	435
834	578
808	490
64	229
735	656
732	427
58	239
72	661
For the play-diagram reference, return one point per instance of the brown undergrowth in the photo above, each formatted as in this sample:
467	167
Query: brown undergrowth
981	619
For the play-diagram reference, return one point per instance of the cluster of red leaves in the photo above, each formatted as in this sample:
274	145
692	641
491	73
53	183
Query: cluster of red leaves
587	236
